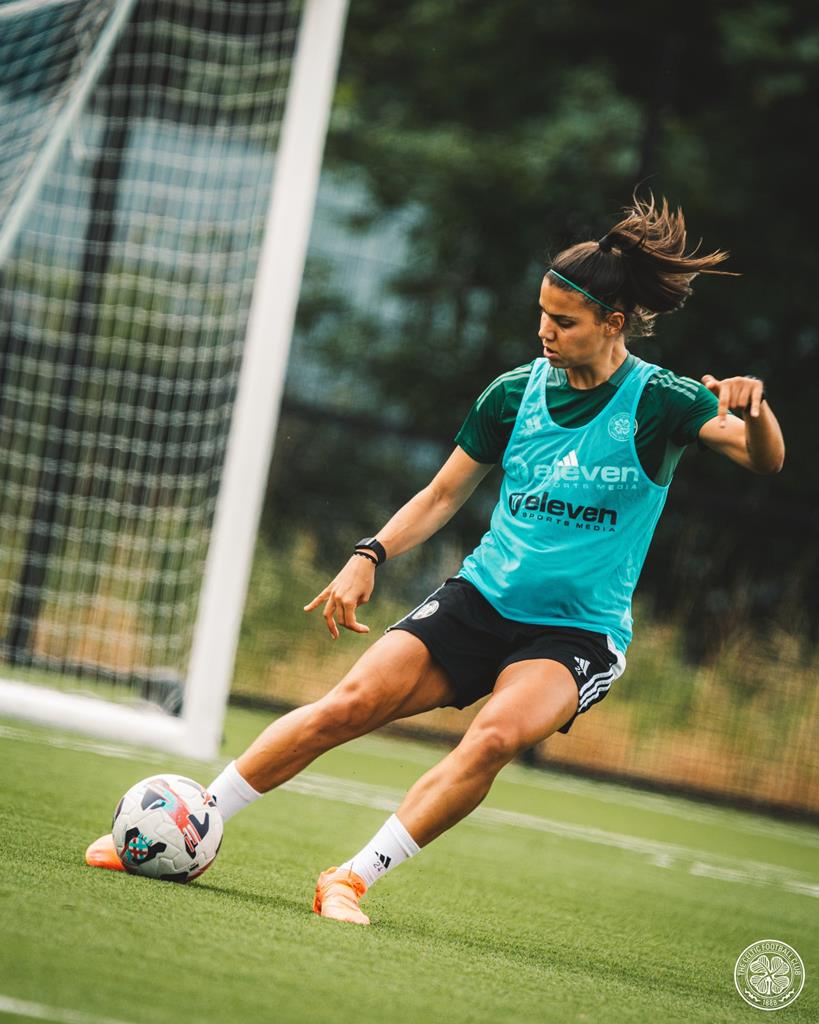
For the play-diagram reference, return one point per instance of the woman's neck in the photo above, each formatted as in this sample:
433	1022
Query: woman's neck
583	378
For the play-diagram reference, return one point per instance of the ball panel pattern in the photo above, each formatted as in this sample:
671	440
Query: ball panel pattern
168	827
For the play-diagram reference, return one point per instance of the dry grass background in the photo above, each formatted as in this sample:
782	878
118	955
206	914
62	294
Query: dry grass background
745	727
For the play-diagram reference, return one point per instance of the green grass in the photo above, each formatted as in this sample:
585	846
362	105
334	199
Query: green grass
559	900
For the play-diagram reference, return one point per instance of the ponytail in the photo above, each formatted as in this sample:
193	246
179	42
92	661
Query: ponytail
639	267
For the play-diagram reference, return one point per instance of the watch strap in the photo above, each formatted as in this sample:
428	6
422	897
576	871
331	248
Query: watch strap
373	545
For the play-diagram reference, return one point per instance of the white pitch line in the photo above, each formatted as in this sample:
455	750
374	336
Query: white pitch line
39	1011
679	807
330	787
659	853
85	746
378	746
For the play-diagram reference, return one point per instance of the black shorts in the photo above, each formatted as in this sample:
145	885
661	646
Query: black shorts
473	643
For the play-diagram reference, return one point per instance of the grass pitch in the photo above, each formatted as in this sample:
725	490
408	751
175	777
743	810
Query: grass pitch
559	900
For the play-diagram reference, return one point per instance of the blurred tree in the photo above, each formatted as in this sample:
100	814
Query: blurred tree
511	130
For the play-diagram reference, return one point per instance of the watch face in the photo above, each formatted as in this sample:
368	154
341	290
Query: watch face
372	544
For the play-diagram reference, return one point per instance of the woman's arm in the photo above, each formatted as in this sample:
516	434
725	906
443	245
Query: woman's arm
755	440
411	525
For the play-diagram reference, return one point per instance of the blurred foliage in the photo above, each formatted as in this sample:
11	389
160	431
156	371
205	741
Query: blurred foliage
509	131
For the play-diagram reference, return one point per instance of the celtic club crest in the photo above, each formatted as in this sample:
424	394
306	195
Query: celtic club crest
769	974
621	427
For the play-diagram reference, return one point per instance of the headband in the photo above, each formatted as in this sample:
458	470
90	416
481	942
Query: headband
584	292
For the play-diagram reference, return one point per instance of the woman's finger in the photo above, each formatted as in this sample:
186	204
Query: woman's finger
356	626
724	399
317	600
350	620
329	619
756	398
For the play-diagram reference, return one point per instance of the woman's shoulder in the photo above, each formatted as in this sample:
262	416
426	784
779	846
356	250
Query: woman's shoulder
664	379
680	402
510	384
512	378
676	390
488	425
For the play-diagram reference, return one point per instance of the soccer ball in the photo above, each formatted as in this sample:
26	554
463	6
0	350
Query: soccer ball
167	827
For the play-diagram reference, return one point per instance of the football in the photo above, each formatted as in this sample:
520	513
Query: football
168	827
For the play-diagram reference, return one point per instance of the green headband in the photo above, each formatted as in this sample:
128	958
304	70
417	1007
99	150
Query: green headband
584	292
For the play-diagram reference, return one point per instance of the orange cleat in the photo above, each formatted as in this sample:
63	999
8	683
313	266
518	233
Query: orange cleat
338	891
103	854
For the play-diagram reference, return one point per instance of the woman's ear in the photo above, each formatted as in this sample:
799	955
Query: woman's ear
615	323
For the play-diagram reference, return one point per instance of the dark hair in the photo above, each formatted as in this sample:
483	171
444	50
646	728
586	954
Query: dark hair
639	266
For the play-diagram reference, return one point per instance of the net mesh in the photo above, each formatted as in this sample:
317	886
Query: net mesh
123	309
43	48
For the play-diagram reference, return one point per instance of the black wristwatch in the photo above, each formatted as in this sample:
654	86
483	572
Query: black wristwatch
371	544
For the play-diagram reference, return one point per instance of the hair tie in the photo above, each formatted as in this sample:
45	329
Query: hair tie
605	244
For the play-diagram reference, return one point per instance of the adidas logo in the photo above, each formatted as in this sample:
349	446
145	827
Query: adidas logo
386	861
582	666
572	469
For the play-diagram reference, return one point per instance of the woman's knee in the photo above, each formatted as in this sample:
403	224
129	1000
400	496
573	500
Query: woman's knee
346	710
489	747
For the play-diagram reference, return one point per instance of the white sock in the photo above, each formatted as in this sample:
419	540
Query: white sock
388	848
232	792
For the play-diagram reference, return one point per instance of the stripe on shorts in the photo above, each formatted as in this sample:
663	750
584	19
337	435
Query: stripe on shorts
600	684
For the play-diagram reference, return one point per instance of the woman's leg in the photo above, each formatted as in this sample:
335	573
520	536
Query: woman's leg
396	677
531	700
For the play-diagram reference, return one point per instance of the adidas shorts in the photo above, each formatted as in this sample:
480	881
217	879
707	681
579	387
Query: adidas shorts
473	643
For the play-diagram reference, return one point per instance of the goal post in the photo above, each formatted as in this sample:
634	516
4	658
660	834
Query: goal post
231	526
261	383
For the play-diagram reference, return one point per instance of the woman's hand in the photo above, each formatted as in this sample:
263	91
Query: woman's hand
411	525
754	439
735	393
351	588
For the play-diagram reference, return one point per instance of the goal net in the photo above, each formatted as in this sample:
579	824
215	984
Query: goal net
158	166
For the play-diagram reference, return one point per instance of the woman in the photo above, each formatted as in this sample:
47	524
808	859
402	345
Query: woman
539	615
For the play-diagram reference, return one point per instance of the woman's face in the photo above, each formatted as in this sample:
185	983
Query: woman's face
569	330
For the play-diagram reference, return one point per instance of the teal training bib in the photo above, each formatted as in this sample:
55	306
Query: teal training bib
575	518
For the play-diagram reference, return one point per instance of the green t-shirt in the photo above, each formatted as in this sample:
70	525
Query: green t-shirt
670	413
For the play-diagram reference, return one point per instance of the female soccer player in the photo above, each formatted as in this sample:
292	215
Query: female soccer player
539	614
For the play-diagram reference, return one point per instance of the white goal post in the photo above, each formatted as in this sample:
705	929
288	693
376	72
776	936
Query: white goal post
197	729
